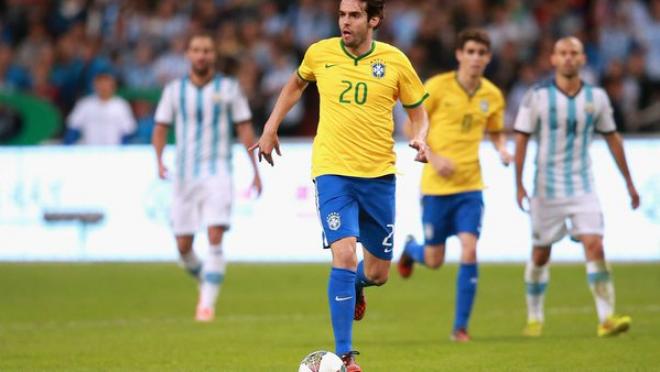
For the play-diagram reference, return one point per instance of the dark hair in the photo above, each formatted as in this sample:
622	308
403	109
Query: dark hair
375	9
199	34
472	34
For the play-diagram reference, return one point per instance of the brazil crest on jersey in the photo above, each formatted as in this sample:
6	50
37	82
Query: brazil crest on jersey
357	94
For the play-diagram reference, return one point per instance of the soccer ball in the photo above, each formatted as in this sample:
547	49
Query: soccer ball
322	361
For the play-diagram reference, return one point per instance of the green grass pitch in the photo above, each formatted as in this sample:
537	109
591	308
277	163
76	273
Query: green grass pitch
139	317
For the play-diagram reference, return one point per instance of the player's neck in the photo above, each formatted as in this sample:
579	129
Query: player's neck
201	80
571	86
469	83
361	49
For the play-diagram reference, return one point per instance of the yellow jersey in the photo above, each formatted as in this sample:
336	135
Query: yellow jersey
357	96
457	122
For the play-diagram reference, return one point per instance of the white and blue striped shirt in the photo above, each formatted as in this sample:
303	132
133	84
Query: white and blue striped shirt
203	118
564	126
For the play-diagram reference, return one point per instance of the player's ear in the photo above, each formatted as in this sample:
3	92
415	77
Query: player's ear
374	22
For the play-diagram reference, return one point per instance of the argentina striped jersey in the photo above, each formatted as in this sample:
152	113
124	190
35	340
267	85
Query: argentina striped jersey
203	118
564	126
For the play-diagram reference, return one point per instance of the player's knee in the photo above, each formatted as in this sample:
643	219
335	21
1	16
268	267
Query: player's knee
345	259
378	278
434	258
594	249
434	262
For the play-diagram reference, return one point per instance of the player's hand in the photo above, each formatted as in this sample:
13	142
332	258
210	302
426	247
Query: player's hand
162	171
267	142
634	196
256	184
421	148
521	197
505	157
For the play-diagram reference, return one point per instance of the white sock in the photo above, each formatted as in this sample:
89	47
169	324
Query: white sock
191	263
600	282
213	273
536	281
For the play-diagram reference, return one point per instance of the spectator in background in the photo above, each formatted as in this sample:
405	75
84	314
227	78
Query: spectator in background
280	70
652	41
101	119
12	76
137	71
173	64
312	21
144	112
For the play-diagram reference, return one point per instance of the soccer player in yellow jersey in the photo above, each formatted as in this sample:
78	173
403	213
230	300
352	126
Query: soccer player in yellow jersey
462	106
359	81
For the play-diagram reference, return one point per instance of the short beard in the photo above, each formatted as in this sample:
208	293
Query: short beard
201	71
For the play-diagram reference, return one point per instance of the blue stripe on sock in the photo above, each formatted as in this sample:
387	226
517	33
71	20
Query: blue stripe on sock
341	297
602	276
466	289
214	278
536	289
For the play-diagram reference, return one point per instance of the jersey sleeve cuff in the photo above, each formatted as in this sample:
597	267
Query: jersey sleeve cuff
303	78
413	105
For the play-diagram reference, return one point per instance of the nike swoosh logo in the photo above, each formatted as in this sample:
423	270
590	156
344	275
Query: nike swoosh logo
328	66
387	250
337	298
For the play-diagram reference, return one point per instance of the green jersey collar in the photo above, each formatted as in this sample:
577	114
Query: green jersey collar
354	58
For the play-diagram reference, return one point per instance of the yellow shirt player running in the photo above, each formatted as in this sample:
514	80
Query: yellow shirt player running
357	95
359	81
462	106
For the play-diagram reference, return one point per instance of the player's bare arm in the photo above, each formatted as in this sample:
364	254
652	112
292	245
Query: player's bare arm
522	139
442	164
615	144
290	95
158	140
499	142
245	134
419	129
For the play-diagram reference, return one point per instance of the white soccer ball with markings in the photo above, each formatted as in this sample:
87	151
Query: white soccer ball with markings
322	361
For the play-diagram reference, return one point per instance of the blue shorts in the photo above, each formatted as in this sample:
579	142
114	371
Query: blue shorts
447	215
359	207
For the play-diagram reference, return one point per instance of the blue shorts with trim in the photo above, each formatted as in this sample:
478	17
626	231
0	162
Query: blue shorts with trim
447	215
359	207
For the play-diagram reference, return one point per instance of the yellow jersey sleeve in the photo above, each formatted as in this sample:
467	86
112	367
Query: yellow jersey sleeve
435	95
495	121
411	90
306	68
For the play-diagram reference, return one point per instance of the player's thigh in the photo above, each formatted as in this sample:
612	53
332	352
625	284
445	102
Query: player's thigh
548	222
376	202
337	208
468	216
217	201
185	213
437	215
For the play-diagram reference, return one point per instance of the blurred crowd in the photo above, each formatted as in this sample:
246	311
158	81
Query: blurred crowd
54	49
